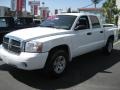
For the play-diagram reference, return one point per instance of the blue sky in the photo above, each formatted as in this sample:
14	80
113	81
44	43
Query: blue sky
58	4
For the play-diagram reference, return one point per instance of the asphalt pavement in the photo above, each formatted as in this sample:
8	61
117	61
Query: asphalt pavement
92	71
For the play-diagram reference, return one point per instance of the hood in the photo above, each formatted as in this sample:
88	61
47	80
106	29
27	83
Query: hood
30	33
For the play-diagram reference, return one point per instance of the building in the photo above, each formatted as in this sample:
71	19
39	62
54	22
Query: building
118	6
13	5
56	11
34	5
19	7
3	11
44	12
96	11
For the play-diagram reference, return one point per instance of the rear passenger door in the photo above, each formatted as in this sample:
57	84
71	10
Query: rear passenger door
97	32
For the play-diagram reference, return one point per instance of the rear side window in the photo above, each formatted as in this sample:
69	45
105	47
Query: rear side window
95	22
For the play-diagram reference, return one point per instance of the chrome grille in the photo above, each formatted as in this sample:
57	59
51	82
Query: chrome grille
12	45
5	42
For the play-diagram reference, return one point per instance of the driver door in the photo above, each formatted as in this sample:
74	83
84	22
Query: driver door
82	39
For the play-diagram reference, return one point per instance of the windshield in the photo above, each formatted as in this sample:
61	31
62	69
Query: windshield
59	21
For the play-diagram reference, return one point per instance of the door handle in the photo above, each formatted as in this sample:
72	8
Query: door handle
101	31
89	33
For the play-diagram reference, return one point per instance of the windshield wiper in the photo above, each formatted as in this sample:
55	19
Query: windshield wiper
50	26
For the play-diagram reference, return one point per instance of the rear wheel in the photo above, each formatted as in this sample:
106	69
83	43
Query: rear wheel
109	46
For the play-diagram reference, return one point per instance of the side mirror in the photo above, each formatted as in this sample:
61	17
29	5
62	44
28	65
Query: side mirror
80	27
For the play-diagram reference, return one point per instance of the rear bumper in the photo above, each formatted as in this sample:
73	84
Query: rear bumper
25	61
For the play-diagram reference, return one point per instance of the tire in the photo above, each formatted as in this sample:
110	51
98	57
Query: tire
109	47
57	63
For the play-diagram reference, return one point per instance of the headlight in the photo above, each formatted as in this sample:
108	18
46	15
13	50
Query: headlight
33	47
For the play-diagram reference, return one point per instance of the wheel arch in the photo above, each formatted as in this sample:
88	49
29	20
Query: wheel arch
60	47
63	47
111	37
51	54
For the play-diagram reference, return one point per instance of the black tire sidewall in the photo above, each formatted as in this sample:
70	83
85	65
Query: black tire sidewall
107	46
51	60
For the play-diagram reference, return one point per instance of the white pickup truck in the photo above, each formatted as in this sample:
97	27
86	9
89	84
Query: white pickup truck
53	45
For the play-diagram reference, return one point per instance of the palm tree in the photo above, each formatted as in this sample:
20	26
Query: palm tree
96	2
116	13
107	10
110	10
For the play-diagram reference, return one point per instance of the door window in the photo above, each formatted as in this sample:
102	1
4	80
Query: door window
83	23
95	22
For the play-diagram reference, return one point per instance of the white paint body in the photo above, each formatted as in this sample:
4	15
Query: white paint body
78	42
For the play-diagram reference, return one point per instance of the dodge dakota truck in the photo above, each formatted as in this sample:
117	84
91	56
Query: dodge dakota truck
53	44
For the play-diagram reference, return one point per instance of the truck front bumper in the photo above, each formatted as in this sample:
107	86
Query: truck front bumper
25	61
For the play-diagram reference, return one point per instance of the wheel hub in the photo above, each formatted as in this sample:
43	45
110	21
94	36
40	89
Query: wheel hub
59	64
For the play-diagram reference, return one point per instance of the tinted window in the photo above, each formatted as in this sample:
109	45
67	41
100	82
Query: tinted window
108	25
3	22
83	23
95	22
24	21
59	21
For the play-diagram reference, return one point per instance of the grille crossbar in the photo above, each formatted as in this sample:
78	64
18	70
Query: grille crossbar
12	45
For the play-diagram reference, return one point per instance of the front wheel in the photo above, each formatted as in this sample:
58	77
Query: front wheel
57	63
